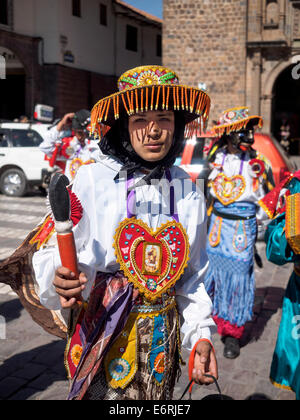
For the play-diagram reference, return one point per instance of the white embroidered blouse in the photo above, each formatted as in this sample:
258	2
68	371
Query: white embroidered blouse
104	206
232	165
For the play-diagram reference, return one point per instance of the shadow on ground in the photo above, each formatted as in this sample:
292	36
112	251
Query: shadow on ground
267	302
11	309
32	372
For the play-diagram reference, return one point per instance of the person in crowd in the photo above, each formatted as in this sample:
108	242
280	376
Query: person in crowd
239	179
140	249
75	150
282	205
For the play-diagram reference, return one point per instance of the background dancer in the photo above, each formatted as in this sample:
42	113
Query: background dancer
239	179
283	246
69	153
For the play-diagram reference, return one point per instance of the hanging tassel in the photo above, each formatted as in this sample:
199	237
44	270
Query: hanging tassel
147	99
136	101
157	100
131	102
177	98
182	98
168	95
152	98
174	98
118	107
142	100
107	109
124	103
103	110
186	99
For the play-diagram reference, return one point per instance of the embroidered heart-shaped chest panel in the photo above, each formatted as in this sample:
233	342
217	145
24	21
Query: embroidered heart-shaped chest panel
152	261
228	189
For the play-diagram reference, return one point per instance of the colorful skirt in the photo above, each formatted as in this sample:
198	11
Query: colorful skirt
230	278
285	369
121	346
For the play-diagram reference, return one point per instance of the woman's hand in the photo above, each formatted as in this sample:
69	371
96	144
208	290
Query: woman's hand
205	362
68	287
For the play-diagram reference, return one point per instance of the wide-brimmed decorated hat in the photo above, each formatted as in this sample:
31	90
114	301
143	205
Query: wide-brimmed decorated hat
148	88
236	119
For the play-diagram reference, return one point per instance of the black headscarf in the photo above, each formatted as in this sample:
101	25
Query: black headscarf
116	143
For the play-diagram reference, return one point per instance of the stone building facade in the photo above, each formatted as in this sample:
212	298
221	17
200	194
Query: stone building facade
244	50
69	54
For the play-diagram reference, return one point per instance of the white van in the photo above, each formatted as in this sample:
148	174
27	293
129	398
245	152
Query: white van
22	164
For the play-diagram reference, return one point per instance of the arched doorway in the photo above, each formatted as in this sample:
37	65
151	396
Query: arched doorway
13	99
286	109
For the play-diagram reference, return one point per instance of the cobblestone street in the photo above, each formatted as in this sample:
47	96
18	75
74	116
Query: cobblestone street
31	360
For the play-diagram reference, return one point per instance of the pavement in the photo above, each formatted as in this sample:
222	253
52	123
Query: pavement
31	360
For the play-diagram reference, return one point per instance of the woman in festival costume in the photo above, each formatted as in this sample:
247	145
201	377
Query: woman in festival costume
141	249
283	246
239	179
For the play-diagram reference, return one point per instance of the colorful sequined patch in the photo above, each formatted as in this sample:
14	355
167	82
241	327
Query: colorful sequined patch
215	233
121	361
240	241
228	189
152	261
156	364
76	164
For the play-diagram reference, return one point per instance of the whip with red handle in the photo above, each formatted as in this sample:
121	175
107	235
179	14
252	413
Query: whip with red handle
59	198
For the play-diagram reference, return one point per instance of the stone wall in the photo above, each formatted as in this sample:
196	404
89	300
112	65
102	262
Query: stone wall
69	89
27	50
205	41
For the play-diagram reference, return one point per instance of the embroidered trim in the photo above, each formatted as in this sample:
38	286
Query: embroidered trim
227	196
240	241
121	362
157	353
281	386
44	233
292	219
215	234
270	213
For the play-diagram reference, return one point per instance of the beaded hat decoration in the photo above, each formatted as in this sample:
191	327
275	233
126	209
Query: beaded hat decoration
236	119
148	88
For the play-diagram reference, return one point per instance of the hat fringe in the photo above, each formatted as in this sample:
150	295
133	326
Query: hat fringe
165	97
236	126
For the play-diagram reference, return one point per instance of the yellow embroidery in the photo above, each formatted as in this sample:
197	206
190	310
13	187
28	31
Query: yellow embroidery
121	361
44	233
215	234
292	218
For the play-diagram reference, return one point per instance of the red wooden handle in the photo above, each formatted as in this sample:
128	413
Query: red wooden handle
67	251
68	256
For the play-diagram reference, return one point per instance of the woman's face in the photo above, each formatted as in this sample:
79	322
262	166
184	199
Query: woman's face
151	134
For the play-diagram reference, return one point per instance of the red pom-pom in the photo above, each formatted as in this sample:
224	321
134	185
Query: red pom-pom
76	208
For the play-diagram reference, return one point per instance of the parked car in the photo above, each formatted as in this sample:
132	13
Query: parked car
193	158
22	164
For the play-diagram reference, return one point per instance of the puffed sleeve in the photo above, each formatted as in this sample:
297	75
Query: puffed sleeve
278	250
50	139
47	260
194	304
